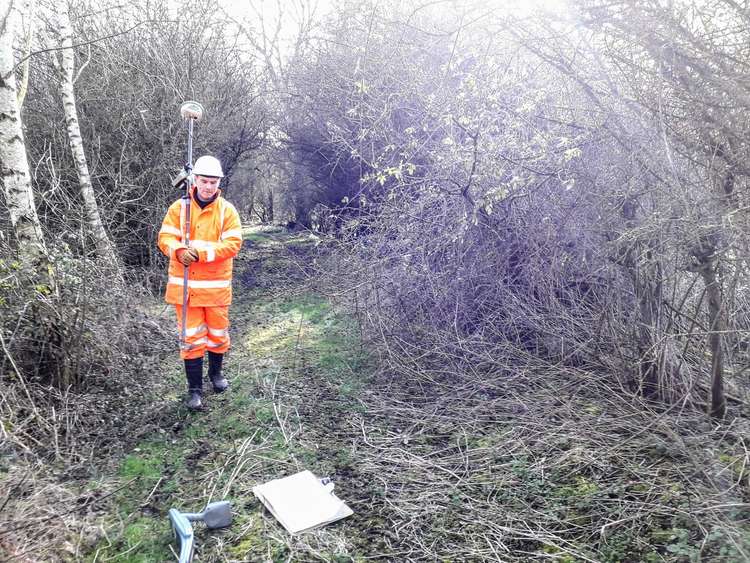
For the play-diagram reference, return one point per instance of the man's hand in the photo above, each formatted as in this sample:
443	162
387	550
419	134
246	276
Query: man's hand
187	256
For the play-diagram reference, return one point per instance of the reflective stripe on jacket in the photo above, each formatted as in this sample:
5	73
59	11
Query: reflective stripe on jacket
216	233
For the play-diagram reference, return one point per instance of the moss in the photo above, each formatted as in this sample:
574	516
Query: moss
142	541
582	487
196	432
234	426
240	401
672	493
142	465
252	539
255	543
264	413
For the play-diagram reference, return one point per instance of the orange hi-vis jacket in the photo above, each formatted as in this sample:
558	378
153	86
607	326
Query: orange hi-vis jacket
216	233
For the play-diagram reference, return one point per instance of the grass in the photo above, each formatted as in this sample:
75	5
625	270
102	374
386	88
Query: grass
282	339
142	541
437	474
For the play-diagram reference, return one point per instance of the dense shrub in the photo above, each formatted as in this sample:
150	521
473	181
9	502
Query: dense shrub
493	186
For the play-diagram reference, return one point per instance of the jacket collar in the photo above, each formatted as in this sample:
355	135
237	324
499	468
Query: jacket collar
194	197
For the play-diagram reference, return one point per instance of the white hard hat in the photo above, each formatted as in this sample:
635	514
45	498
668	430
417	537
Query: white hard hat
208	166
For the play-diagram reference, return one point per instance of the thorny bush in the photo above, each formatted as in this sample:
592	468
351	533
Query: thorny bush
496	203
83	333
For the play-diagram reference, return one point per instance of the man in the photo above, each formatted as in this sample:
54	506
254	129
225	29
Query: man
215	239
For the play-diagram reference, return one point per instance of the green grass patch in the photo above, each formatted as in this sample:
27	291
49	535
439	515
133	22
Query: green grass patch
581	488
312	308
234	426
330	338
286	345
257	237
255	544
262	229
196	432
143	467
143	540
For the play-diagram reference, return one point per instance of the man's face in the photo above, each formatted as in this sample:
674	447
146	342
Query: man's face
207	186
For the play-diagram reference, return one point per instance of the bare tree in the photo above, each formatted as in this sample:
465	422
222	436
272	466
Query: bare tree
686	65
19	196
280	35
64	62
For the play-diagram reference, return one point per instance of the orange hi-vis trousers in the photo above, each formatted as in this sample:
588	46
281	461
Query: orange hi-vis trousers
207	329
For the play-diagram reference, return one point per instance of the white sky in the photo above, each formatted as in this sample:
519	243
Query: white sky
267	12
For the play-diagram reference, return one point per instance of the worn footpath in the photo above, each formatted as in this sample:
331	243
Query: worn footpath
295	369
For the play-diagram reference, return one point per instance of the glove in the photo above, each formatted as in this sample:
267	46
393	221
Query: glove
187	256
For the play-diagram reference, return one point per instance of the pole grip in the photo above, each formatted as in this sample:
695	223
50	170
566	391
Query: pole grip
193	516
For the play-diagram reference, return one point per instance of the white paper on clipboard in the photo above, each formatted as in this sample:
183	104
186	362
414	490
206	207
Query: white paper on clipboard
301	502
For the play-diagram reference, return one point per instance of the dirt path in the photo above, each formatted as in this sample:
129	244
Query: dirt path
296	370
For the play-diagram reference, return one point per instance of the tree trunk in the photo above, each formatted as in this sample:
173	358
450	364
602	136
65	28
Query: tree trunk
269	206
660	373
659	368
717	405
65	67
14	166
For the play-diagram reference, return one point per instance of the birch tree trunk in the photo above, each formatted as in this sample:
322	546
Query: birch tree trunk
64	63
14	166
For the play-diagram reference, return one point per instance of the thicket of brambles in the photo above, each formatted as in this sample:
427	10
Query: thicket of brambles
530	212
569	188
506	196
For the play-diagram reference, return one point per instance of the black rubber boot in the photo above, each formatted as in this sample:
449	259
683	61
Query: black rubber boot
218	381
195	401
194	374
